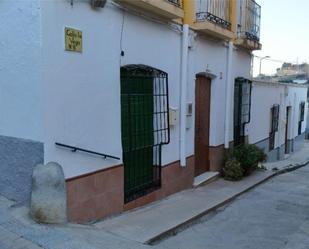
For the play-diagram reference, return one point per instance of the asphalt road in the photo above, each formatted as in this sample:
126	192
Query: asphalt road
273	215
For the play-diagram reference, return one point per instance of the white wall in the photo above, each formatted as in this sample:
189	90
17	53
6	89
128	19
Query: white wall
211	55
82	90
296	95
241	66
156	45
264	96
20	83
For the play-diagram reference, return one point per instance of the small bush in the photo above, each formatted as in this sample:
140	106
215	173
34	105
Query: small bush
248	155
232	170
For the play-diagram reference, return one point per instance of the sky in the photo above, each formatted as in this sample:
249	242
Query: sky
284	33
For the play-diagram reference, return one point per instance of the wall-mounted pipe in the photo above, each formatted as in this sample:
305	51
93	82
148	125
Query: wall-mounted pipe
183	93
228	90
280	125
294	122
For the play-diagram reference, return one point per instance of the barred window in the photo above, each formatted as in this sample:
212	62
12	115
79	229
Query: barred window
301	116
302	111
274	118
274	125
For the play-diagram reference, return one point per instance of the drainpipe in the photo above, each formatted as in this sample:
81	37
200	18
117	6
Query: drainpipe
281	106
294	118
183	93
228	87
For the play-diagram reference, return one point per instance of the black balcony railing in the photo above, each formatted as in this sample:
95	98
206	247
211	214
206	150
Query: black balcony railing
249	27
175	2
215	11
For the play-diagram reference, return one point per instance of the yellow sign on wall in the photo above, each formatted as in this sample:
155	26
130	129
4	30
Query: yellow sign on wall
73	40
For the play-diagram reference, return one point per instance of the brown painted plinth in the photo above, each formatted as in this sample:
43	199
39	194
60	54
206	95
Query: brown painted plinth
94	196
101	194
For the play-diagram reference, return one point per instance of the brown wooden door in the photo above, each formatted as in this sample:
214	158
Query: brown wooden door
202	121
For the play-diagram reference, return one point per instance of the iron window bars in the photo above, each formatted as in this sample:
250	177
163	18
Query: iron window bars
274	126
145	127
301	116
215	11
242	108
250	20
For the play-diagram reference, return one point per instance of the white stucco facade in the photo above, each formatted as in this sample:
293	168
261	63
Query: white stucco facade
74	98
82	91
264	96
20	65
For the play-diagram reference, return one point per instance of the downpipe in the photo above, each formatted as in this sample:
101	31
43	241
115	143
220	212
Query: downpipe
183	93
228	87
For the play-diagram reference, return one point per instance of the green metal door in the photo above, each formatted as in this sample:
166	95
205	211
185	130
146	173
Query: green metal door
137	131
242	107
144	127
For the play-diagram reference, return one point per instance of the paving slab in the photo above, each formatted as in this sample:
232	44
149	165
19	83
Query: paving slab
147	224
205	178
275	215
9	240
299	157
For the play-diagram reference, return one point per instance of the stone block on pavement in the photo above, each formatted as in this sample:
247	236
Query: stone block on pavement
48	194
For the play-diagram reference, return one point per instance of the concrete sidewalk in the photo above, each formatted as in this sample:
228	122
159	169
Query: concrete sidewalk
150	223
129	230
299	157
18	231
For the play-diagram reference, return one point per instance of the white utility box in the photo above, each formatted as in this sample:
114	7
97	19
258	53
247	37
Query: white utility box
173	116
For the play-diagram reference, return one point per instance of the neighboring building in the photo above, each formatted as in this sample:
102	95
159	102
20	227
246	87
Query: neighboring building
293	69
292	73
278	117
140	91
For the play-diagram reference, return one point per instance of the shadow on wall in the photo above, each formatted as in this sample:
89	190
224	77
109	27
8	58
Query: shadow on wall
17	160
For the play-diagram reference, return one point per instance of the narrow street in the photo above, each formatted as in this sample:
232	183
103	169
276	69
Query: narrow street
274	215
271	216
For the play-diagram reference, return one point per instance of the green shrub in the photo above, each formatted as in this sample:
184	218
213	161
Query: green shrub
232	170
249	156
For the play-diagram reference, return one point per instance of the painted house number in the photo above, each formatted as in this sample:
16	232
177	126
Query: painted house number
73	40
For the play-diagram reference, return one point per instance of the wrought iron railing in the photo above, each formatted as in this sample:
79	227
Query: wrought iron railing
215	11
175	2
75	149
249	27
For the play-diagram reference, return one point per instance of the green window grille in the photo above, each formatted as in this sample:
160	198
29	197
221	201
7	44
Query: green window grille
242	108
274	125
301	116
144	126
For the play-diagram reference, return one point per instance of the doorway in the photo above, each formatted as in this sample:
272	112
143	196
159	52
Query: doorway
144	128
287	126
202	123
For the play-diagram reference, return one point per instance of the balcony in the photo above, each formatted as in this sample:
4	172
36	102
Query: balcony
167	9
248	34
214	17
